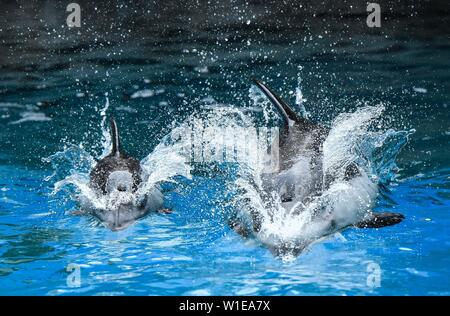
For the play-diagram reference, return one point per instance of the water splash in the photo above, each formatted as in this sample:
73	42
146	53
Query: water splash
285	227
299	98
288	228
106	136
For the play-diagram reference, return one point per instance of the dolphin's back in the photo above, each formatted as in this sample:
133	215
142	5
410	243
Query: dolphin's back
299	136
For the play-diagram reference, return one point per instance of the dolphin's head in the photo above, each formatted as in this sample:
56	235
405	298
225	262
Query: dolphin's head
121	210
121	181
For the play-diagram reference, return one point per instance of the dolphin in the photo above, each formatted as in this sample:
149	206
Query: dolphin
300	137
117	178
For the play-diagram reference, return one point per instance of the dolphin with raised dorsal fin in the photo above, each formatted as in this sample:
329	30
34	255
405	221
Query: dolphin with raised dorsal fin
116	171
117	176
301	137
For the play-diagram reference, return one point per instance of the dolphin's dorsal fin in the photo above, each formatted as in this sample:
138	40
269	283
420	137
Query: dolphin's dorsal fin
285	110
115	139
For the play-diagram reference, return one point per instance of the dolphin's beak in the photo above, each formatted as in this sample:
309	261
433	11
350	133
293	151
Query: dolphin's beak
120	222
119	212
118	219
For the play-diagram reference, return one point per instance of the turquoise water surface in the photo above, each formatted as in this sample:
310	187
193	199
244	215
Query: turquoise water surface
161	63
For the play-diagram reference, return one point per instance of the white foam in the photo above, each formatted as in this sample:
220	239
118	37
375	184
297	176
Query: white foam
31	117
420	90
201	69
106	136
127	109
16	105
146	93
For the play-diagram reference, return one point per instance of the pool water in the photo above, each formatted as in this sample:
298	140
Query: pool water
161	63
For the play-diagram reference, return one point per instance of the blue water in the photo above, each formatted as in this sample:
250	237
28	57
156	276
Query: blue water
52	89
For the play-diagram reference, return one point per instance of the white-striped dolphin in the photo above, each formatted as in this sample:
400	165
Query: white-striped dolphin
300	137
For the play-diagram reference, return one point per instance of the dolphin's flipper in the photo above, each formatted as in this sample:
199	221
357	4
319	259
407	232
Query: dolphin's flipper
285	110
378	220
115	138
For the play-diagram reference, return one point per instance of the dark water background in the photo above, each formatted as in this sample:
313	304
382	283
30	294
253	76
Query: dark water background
186	52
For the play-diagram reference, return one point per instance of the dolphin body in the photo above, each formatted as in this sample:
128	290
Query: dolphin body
117	178
300	137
